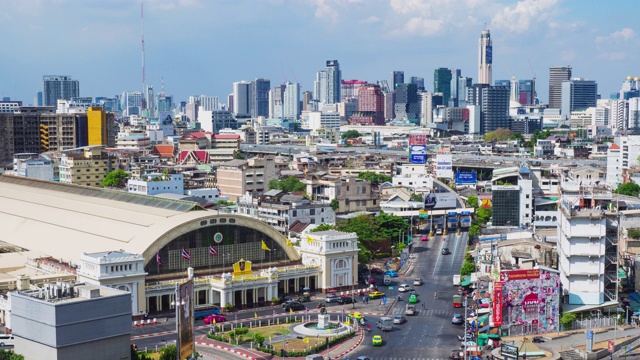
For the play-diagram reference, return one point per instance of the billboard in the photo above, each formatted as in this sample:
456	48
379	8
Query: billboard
418	154
186	346
417	139
435	201
519	274
466	178
497	303
444	166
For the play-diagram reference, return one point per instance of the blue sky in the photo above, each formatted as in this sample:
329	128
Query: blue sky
202	46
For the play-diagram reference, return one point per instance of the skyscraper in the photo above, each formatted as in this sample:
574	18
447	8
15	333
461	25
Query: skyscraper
578	95
485	51
527	89
397	78
557	74
307	98
55	87
418	81
442	83
276	100
493	102
259	97
370	106
327	86
241	101
407	102
291	102
455	87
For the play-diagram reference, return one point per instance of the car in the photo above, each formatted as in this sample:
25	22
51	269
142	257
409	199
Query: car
425	238
413	299
356	316
347	300
399	319
404	288
332	298
457	319
376	270
438	231
376	340
391	273
537	339
215	319
445	251
294	306
363	358
376	295
417	282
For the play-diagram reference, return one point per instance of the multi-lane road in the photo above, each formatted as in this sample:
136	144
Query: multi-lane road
429	334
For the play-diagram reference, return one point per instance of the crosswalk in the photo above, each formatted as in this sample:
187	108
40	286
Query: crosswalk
424	312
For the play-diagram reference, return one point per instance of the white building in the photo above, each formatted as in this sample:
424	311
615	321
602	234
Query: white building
413	176
209	194
614	167
33	166
336	253
328	120
600	116
156	183
619	114
241	101
206	103
291	102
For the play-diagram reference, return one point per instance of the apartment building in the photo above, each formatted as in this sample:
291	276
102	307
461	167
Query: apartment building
351	194
237	177
87	166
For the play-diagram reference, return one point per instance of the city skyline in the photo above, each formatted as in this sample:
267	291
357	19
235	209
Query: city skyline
202	47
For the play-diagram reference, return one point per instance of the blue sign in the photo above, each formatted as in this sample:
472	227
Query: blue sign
589	334
418	154
489	57
466	178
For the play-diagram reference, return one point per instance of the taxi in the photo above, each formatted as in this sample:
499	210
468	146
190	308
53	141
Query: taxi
413	299
376	340
376	295
356	316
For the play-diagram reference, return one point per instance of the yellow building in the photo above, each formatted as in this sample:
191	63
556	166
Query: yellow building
97	126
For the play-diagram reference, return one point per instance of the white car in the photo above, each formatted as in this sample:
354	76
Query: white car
417	281
404	288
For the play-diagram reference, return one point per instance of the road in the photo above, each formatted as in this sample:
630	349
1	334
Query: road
429	334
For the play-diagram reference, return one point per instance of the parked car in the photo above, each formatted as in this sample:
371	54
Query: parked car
376	295
332	298
399	319
404	288
391	273
438	231
215	319
347	300
457	319
445	251
295	306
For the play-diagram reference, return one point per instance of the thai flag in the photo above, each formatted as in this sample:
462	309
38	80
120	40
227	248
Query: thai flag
212	250
185	254
158	260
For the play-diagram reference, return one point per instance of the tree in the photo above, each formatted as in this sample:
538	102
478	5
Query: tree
498	135
374	178
483	215
416	197
474	230
567	318
630	189
114	178
473	202
169	353
323	227
335	204
351	134
238	155
467	268
290	184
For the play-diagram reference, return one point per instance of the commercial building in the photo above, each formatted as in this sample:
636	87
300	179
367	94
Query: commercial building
156	184
8	107
442	83
72	321
557	75
370	106
327	86
259	97
494	106
327	120
485	58
33	166
55	87
352	194
85	166
512	202
242	98
527	92
397	77
578	95
291	101
407	104
237	177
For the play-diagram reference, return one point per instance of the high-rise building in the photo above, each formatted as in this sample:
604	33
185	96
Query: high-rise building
291	101
230	102
634	116
455	87
259	97
557	75
464	86
370	106
578	95
131	103
350	88
407	102
307	98
418	81
327	86
493	102
397	77
485	58
527	92
241	101
276	99
619	114
55	87
208	103
389	105
442	82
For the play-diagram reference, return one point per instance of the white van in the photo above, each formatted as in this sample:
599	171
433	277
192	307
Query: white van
6	340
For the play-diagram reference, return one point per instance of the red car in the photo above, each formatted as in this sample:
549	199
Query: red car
425	238
218	319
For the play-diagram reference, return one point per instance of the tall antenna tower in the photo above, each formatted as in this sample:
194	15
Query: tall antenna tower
144	90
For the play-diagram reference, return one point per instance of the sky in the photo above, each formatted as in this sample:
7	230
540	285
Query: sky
203	46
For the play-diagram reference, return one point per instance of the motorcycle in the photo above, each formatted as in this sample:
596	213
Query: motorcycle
320	305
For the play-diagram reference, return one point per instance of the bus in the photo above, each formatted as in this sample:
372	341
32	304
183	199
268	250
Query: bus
204	311
457	301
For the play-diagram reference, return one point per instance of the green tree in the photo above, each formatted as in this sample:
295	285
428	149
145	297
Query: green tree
169	353
374	178
474	230
290	184
498	135
238	155
10	355
630	189
391	226
323	227
567	318
416	197
259	339
335	204
114	178
473	202
467	268
483	215
351	134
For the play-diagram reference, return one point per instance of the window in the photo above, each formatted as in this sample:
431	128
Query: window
294	213
527	196
312	212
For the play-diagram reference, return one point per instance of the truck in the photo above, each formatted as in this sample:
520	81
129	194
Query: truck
456	280
410	310
386	280
385	324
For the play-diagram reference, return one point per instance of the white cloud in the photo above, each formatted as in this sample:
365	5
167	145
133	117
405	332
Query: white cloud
613	56
370	20
420	26
624	34
330	9
521	17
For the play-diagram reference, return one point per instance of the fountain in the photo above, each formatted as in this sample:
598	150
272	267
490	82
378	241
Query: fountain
322	327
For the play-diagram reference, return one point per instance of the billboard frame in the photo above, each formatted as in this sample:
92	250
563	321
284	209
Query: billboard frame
184	320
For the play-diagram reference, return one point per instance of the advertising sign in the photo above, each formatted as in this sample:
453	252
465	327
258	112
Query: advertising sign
445	200
444	166
417	139
497	304
509	351
466	178
520	274
186	346
418	154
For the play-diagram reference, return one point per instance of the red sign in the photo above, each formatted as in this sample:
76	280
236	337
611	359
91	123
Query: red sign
417	139
497	303
611	346
520	274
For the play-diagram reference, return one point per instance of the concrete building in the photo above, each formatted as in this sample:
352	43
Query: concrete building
291	101
33	166
407	103
86	167
577	95
327	87
135	142
259	97
8	107
370	106
414	176
485	58
619	114
55	87
327	120
352	194
557	75
157	183
512	203
241	98
237	177
72	321
335	251
493	102
442	83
